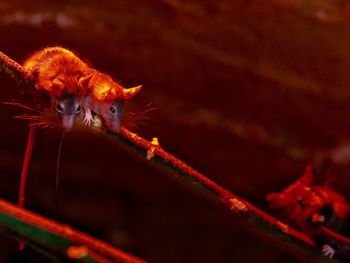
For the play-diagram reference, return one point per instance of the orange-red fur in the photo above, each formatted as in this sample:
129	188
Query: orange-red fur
104	88
57	71
309	205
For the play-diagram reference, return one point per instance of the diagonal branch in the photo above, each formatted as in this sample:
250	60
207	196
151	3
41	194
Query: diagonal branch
279	233
58	239
257	220
14	70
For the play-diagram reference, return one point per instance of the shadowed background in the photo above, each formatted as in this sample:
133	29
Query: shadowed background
246	92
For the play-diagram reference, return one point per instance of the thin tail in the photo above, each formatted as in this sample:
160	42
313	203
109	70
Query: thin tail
56	197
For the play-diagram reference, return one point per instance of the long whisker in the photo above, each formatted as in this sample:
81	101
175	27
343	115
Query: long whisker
40	120
134	117
330	176
43	124
138	118
30	117
138	121
18	104
144	110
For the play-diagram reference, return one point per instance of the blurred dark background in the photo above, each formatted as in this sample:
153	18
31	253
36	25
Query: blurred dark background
247	92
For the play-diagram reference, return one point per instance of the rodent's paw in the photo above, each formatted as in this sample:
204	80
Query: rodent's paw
88	118
328	251
318	218
87	122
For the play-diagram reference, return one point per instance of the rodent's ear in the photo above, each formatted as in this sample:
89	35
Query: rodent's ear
52	87
309	175
57	87
129	93
84	82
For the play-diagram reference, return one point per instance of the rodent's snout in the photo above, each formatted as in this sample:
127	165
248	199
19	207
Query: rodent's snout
115	127
270	198
67	122
276	200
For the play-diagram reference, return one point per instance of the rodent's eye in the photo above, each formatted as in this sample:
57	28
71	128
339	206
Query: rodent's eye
78	109
112	109
301	202
59	107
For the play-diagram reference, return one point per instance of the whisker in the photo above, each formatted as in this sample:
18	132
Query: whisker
104	125
43	124
142	118
20	105
30	117
146	109
330	176
135	116
40	120
138	122
139	117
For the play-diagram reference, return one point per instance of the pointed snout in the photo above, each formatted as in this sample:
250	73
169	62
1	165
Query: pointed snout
67	122
115	127
276	200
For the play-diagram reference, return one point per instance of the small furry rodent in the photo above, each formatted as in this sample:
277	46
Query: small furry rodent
308	205
105	97
60	74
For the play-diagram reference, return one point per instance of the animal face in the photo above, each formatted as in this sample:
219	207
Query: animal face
67	108
112	114
305	203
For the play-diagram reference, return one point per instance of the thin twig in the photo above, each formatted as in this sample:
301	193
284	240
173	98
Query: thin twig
25	169
26	164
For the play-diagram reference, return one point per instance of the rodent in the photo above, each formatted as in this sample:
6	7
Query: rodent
62	75
105	97
308	205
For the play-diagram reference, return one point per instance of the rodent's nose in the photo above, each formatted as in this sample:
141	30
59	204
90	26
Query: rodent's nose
274	200
114	126
67	123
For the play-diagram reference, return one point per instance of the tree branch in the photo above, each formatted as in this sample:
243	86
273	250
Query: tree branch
58	239
15	70
279	233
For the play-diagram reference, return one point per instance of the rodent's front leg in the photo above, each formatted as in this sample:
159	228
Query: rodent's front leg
328	251
88	117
